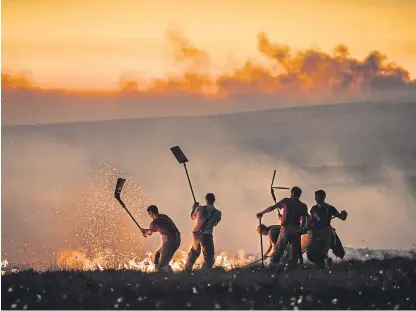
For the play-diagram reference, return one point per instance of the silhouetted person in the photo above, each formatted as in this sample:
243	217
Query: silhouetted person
171	237
207	217
272	233
294	214
321	230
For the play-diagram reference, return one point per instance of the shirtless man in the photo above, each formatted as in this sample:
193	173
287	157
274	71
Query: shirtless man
171	238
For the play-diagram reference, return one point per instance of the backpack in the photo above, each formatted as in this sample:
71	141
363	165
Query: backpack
205	223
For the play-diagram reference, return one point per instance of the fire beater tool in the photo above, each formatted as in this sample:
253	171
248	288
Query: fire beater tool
278	211
261	246
182	159
272	191
117	193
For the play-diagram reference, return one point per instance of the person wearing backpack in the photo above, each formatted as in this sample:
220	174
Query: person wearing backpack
322	233
207	217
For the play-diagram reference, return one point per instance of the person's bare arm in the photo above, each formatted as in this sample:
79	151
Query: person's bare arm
270	209
304	218
267	210
304	225
194	208
147	232
342	215
268	250
217	217
308	223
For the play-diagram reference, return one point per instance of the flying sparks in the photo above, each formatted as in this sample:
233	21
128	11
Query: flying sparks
104	237
103	230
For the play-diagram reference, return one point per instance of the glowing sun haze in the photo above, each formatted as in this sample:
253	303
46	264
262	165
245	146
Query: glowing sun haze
91	44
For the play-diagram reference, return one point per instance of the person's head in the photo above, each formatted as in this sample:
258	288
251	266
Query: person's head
295	192
320	196
263	229
210	198
152	211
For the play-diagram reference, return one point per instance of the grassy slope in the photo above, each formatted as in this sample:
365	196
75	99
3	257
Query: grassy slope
385	284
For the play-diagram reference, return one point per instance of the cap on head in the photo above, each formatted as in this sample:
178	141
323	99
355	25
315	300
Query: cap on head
153	209
320	193
296	191
210	198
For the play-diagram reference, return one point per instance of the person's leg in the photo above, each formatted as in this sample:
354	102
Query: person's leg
157	258
312	250
281	244
194	252
329	262
327	246
317	251
207	243
306	241
167	251
300	253
178	244
286	254
295	253
320	262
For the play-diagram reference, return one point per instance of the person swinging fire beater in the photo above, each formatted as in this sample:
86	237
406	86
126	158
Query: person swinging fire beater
207	217
171	238
294	215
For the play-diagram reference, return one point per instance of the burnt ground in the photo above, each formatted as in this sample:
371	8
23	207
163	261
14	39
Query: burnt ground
373	284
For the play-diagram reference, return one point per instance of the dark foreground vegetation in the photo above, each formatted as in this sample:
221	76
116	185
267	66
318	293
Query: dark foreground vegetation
374	284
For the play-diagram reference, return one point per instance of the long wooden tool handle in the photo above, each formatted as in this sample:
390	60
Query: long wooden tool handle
261	245
189	181
272	191
132	218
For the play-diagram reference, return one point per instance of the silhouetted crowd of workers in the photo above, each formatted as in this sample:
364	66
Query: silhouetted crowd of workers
298	232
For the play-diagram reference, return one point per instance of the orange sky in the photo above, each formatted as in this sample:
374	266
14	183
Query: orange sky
90	44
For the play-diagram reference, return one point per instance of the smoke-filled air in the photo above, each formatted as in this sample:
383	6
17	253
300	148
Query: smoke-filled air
322	119
280	77
97	210
58	180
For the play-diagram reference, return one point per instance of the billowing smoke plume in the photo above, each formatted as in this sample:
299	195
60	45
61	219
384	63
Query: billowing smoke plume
285	78
309	73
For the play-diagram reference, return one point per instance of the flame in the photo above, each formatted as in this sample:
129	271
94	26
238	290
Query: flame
99	244
4	268
4	264
102	229
98	240
76	260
